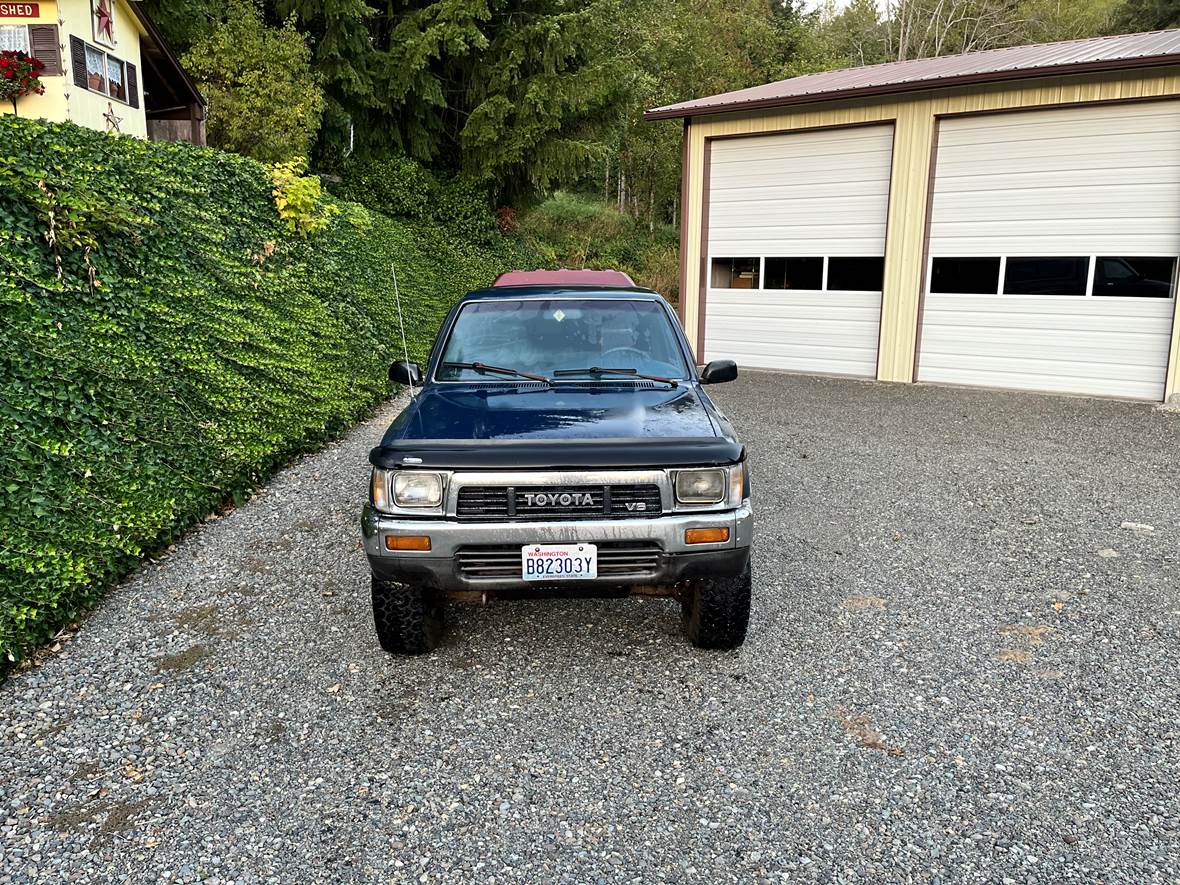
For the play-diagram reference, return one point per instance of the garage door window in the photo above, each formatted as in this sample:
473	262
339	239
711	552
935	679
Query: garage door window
1046	276
855	274
808	273
735	273
965	276
795	273
1117	276
1134	277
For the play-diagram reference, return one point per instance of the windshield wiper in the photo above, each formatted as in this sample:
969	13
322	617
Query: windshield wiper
599	370
496	370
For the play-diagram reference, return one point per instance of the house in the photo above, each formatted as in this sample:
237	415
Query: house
1006	218
106	67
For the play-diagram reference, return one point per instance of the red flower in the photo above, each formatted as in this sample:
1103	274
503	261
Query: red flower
20	75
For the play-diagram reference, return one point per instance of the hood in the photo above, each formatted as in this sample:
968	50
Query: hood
563	412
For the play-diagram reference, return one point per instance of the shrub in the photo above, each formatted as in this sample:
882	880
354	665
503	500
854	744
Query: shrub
264	99
168	341
299	198
399	186
573	231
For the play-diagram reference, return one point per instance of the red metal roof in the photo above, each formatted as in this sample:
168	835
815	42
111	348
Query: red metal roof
564	277
1014	63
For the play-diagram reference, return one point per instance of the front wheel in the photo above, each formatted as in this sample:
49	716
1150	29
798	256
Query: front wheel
717	611
409	619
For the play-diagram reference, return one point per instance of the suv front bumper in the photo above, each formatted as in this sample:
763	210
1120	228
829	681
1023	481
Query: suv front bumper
669	558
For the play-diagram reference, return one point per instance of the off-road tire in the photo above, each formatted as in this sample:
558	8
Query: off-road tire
717	611
409	619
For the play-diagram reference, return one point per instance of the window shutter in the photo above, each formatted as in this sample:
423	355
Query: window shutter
43	42
132	85
78	61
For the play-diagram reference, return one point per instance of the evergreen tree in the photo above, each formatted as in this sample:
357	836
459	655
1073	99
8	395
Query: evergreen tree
507	90
183	22
1148	15
539	93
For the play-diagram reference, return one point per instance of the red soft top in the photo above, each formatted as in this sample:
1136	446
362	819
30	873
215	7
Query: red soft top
564	277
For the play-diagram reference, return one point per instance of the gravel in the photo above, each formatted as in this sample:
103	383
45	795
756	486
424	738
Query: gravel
947	679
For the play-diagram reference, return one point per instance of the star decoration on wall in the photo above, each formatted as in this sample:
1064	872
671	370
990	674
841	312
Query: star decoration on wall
113	119
104	21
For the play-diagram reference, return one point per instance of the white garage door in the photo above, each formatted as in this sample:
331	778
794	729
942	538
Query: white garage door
796	239
1053	245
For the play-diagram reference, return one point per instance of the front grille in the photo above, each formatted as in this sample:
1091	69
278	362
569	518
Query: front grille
477	501
570	502
616	559
630	500
635	500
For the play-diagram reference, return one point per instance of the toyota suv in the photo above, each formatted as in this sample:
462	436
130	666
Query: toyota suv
559	441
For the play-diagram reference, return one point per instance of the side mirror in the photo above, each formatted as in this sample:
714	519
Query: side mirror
404	373
719	371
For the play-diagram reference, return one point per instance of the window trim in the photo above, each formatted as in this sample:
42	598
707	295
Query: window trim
761	265
106	75
1091	274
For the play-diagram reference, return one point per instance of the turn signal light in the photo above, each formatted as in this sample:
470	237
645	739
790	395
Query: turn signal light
706	536
422	542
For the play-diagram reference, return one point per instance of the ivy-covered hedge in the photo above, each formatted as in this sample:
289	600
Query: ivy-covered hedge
401	187
166	341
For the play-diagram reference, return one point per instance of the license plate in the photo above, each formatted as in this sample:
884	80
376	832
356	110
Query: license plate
559	562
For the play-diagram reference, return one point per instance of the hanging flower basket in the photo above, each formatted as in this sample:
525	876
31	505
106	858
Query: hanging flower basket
19	76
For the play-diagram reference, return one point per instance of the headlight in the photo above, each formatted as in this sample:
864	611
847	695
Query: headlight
413	489
701	486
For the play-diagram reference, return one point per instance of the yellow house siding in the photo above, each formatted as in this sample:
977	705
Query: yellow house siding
915	118
87	108
65	101
51	105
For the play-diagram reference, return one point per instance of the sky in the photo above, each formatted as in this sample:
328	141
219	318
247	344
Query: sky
810	5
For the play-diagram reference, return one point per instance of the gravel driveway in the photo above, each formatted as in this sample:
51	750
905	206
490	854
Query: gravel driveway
961	667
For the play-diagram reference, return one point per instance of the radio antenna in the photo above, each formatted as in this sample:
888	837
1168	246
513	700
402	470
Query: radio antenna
401	325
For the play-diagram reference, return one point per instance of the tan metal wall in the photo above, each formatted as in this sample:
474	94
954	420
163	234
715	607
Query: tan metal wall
914	117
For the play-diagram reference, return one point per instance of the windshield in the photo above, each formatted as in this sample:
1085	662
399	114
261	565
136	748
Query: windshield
544	335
